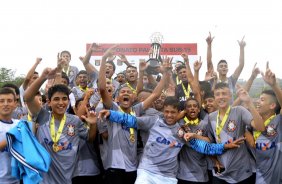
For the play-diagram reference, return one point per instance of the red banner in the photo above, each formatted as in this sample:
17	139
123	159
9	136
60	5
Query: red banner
140	49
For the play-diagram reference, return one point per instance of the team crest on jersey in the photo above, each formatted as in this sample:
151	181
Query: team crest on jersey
270	131
180	132
231	126
70	130
199	132
71	73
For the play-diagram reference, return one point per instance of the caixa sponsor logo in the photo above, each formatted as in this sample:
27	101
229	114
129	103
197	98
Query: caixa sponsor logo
172	143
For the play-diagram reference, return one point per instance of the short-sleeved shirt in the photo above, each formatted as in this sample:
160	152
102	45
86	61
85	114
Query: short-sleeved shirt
5	157
121	152
193	165
235	161
268	153
162	147
64	161
87	164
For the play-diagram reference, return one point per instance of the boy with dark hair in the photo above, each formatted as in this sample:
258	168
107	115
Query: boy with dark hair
8	104
58	132
227	124
71	71
268	141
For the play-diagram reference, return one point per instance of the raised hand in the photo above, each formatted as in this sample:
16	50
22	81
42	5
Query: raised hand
38	60
185	57
166	64
122	58
110	52
255	71
142	65
94	47
209	39
91	117
103	114
269	77
197	64
242	43
243	94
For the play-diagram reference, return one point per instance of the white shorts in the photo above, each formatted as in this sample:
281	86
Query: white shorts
146	177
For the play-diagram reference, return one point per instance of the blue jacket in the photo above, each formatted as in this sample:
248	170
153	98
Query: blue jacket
29	157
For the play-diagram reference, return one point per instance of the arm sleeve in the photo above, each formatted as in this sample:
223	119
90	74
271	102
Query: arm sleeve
206	148
123	118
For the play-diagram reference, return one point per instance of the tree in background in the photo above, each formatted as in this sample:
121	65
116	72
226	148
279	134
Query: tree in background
8	76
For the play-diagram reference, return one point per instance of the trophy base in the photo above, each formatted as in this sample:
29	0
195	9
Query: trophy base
153	68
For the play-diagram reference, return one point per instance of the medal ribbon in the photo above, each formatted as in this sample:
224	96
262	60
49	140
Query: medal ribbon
257	133
132	89
56	136
131	130
187	93
83	90
220	126
67	70
29	117
192	122
178	81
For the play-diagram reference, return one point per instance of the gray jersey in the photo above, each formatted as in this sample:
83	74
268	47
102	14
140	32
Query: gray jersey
162	147
235	161
5	157
121	153
268	153
193	166
102	126
64	161
77	92
87	164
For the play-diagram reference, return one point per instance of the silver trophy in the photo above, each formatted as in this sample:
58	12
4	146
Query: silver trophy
154	56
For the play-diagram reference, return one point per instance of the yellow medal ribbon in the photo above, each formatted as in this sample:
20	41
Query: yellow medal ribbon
29	118
178	81
257	133
67	70
220	126
131	130
132	89
56	136
83	90
187	93
191	122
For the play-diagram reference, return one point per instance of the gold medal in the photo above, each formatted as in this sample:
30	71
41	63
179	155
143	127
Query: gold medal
132	138
55	147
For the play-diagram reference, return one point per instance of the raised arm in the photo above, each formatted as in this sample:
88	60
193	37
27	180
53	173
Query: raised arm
123	59
195	85
239	69
209	40
107	99
270	78
248	84
85	60
166	70
30	73
142	68
257	121
32	104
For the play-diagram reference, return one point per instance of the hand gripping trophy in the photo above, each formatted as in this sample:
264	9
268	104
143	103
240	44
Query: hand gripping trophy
154	55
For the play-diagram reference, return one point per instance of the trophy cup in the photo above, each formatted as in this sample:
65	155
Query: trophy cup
154	56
